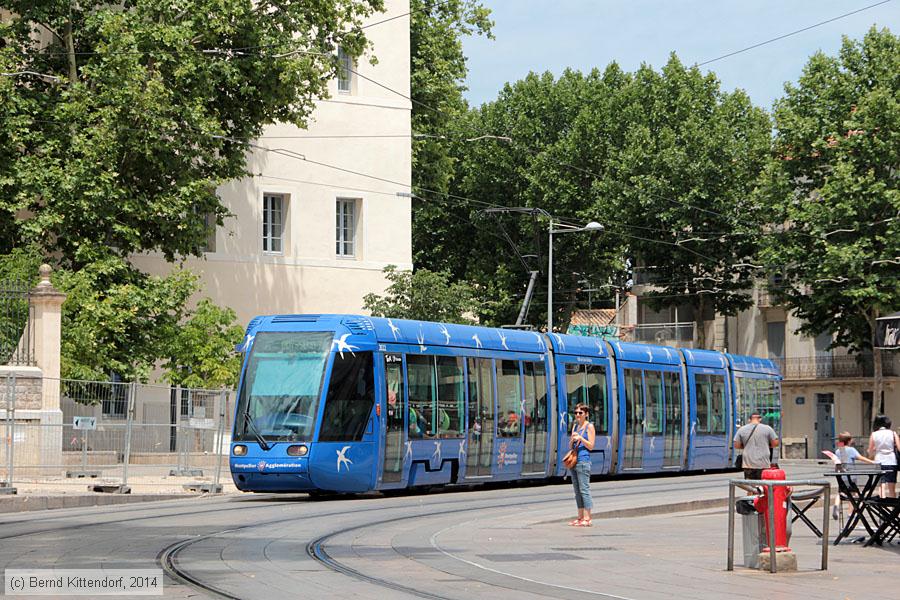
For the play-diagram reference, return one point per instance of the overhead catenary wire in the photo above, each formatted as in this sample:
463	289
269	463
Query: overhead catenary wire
787	35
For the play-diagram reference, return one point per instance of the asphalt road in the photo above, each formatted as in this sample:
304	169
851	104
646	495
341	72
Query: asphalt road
431	545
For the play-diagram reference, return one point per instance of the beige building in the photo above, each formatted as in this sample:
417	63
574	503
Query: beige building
824	391
313	230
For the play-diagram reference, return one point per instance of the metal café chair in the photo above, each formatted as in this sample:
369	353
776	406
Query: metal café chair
860	511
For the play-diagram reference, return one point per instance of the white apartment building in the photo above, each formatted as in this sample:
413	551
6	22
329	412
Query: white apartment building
310	238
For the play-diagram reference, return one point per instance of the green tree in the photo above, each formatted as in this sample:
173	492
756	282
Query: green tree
424	295
832	189
151	108
665	160
671	160
124	327
533	114
437	74
119	124
202	352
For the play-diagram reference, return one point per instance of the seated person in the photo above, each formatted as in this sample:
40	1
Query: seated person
510	427
416	424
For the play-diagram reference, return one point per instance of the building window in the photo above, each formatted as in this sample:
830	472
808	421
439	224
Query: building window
775	339
345	227
273	224
209	219
345	71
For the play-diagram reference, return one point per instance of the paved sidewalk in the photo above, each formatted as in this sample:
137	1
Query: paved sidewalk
680	555
61	492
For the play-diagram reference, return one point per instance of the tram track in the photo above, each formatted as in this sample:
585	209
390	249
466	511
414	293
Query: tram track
175	561
168	558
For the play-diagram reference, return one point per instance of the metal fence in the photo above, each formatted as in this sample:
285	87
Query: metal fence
667	334
838	367
16	323
116	435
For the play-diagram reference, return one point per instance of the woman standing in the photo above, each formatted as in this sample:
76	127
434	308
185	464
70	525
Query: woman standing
881	449
582	442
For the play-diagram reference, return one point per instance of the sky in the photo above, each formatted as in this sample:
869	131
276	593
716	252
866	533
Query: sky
550	35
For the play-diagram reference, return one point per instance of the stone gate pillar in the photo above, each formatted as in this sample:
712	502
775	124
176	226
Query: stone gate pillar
46	302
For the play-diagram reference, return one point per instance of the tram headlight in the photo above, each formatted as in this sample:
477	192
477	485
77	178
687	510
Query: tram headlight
297	450
240	450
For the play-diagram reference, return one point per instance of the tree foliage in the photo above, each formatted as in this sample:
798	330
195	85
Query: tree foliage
202	353
424	295
664	159
123	327
119	123
150	111
438	70
832	188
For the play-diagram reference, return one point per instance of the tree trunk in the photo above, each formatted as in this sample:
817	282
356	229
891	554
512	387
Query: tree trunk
701	329
877	376
70	50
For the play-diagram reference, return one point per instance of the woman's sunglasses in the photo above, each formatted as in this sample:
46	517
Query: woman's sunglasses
579	412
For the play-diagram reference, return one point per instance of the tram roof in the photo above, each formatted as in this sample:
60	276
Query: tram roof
402	331
578	345
704	358
753	364
646	353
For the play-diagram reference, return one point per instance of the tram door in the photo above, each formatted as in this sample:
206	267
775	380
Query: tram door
674	452
633	438
392	469
654	420
534	457
480	417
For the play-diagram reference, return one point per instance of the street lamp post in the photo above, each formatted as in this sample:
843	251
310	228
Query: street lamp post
592	226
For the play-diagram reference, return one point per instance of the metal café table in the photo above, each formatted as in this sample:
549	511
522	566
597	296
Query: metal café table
859	511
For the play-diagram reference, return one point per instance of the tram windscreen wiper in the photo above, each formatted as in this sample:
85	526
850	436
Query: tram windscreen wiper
259	437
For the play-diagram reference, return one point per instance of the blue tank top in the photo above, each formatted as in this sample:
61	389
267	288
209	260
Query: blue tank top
583	452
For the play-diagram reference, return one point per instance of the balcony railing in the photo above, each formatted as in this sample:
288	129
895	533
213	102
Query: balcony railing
837	367
667	334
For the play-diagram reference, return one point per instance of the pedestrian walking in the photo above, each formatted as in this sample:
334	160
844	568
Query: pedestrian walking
582	442
757	440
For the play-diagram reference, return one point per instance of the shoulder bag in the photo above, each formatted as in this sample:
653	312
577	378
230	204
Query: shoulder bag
570	459
739	459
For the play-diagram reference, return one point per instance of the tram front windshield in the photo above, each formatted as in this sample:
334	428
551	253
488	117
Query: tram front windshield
281	387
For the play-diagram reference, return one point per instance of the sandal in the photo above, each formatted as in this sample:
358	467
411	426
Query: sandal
574	522
584	523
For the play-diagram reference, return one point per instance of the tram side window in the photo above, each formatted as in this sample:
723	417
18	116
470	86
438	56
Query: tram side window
451	396
654	408
420	378
595	376
535	397
574	388
710	390
746	398
634	402
587	384
672	382
481	399
509	398
351	396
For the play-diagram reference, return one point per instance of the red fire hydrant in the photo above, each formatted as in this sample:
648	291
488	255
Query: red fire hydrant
781	494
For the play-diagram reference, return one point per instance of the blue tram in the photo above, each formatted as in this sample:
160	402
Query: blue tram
345	403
